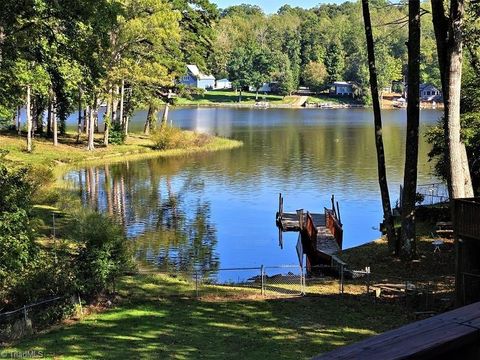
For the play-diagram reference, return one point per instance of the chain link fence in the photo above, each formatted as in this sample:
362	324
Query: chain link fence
23	321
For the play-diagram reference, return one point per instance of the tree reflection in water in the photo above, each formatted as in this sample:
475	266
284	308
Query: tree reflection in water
171	231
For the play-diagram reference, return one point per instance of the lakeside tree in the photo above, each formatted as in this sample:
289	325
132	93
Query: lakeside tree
449	38
408	234
315	76
388	220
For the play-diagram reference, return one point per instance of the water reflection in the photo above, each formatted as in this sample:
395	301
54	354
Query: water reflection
214	208
170	231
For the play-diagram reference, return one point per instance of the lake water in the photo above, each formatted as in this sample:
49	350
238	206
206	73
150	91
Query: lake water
218	209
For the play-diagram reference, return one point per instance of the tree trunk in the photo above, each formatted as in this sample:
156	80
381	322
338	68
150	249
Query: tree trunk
85	121
256	95
55	121
29	120
240	96
90	128
408	249
107	120
448	34
166	110
79	124
19	124
122	95
151	120
382	172
115	105
49	118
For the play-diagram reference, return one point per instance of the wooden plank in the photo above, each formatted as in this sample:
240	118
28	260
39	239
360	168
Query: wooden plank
420	340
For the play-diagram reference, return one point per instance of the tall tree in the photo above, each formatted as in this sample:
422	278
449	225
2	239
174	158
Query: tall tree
448	33
408	245
382	171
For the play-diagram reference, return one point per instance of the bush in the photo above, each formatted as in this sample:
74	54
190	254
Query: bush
168	137
104	253
116	135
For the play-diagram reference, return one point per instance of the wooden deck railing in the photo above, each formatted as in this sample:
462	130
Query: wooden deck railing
452	335
466	217
334	226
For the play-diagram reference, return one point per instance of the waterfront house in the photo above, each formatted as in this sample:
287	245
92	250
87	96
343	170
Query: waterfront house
342	88
265	88
195	78
223	84
428	93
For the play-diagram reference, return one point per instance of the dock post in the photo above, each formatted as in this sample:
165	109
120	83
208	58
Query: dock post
300	218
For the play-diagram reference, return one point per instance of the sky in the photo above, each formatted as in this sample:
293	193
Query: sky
271	6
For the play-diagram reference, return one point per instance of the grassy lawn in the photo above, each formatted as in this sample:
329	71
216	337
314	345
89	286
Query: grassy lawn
69	152
325	99
231	97
156	318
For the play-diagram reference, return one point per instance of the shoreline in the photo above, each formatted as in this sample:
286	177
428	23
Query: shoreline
68	154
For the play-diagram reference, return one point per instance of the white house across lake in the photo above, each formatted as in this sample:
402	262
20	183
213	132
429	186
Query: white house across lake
195	78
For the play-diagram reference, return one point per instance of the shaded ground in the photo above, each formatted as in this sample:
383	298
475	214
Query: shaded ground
153	322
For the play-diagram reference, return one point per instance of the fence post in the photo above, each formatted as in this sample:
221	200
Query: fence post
262	281
341	279
368	284
302	281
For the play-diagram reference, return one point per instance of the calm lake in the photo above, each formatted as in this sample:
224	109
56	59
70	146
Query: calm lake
218	210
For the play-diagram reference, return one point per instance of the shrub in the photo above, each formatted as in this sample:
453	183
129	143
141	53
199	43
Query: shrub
104	253
116	135
168	137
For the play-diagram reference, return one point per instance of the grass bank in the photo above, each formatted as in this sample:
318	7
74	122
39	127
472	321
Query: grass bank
230	98
226	97
68	152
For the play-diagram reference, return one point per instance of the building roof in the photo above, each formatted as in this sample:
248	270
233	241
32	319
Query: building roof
195	71
341	83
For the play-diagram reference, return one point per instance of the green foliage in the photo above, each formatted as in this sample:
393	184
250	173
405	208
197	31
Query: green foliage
315	76
104	252
169	137
16	237
116	135
471	138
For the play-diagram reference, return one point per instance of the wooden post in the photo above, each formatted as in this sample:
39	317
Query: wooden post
338	214
300	218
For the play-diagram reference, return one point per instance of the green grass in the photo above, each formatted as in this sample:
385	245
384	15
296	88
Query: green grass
154	320
325	99
231	97
70	153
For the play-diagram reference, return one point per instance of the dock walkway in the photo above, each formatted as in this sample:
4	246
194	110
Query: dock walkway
326	242
321	233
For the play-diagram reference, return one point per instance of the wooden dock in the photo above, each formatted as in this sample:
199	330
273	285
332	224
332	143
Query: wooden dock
321	233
